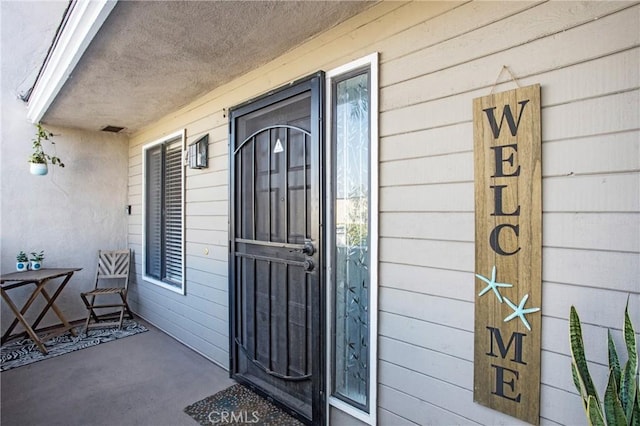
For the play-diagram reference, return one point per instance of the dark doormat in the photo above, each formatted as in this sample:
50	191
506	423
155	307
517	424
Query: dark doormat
238	405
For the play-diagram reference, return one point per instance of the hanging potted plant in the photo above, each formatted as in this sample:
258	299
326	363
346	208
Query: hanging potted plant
39	159
22	262
36	260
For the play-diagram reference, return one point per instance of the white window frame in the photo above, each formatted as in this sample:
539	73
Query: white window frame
182	288
371	62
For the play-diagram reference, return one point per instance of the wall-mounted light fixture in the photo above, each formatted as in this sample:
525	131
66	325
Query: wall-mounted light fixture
199	153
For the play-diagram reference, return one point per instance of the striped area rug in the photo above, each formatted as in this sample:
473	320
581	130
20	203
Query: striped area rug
18	352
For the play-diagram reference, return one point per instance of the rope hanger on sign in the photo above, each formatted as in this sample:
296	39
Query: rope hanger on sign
513	78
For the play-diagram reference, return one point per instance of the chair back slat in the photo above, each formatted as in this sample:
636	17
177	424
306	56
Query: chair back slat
113	264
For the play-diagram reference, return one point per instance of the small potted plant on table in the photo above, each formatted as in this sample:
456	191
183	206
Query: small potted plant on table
22	262
36	260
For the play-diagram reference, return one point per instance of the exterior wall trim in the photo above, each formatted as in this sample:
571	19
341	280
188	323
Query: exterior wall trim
371	61
84	22
183	288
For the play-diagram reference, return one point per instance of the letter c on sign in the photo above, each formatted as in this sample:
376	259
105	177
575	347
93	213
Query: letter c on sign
494	239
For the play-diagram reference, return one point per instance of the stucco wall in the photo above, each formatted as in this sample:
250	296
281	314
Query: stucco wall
71	212
436	57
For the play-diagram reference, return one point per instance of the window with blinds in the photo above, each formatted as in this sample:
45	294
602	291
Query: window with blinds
163	213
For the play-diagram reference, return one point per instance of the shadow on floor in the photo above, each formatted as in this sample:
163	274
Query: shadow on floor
146	379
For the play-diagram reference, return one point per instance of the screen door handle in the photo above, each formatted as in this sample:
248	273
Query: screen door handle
308	248
308	265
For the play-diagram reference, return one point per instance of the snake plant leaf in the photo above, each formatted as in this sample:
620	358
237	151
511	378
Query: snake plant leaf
579	385
629	383
628	389
635	416
594	411
614	362
630	340
579	358
613	411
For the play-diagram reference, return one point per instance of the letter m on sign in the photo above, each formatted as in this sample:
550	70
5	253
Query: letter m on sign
496	337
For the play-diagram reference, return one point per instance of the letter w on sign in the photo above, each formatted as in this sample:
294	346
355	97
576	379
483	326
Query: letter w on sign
506	114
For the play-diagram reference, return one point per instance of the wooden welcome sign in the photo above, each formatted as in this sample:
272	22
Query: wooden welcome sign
508	241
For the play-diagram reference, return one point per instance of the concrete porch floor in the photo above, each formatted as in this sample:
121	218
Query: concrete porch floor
146	379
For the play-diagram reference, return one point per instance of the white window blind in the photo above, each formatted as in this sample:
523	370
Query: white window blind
163	219
173	213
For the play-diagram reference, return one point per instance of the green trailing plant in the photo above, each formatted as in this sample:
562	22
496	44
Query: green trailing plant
38	155
621	405
37	257
22	257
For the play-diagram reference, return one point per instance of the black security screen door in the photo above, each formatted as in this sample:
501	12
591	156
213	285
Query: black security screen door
275	247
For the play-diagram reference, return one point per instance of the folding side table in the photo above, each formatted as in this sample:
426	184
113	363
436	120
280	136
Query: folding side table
39	278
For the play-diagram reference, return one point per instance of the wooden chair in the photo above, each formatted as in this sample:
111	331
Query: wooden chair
112	278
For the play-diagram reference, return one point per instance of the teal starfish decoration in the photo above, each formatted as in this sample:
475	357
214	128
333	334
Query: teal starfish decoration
520	311
492	284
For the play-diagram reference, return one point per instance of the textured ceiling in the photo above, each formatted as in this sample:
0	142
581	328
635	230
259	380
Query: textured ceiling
151	58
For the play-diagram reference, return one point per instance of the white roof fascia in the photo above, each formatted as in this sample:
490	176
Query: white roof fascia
85	19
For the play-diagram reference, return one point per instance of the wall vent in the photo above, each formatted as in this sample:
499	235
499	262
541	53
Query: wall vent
112	129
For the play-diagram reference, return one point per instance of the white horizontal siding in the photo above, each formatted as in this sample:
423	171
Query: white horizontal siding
438	22
435	253
438	310
386	417
453	67
436	57
450	197
560	407
589	268
428	170
415	410
199	319
431	335
431	225
429	142
428	362
182	322
444	395
460	284
591	193
592	155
